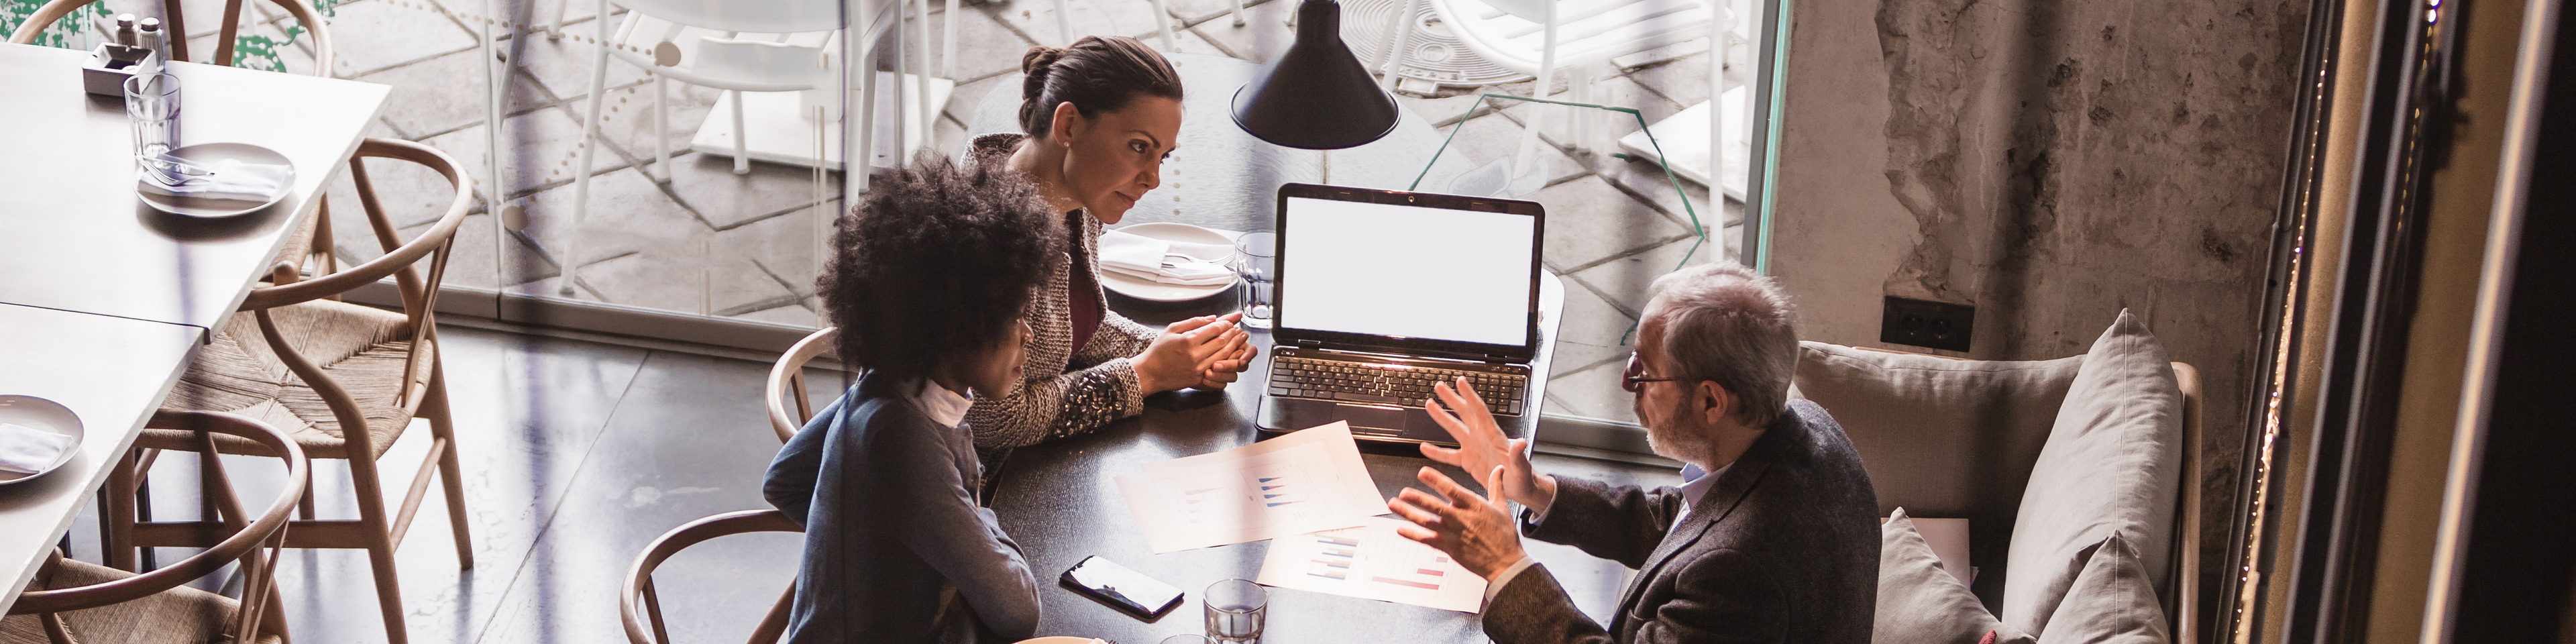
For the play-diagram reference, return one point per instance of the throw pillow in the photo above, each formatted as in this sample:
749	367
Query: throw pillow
1920	603
2112	601
1943	437
2110	467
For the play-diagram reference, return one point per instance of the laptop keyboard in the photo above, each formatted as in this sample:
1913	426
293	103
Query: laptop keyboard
1386	384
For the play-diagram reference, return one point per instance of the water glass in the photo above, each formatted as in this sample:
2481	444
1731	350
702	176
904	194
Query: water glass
152	105
1235	610
1254	261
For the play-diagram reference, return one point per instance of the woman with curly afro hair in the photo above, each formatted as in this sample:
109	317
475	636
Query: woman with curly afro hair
928	280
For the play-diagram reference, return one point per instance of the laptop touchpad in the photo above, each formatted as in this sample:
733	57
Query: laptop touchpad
1370	417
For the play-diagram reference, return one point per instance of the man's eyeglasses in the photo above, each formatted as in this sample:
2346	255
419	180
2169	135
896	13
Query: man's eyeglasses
1634	378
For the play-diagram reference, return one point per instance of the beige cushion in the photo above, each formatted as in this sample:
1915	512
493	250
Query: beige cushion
362	349
1921	603
1942	437
2112	601
2110	467
179	615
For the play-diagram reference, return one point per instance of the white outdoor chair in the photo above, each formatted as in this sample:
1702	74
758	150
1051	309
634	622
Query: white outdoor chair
758	53
1541	36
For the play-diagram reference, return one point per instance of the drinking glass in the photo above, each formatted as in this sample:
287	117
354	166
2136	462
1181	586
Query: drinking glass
1253	261
1235	610
152	105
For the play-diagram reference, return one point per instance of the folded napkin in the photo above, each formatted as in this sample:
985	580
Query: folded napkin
27	450
230	179
1165	261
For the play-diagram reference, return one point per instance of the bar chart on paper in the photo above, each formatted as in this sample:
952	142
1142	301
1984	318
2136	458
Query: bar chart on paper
1372	562
1306	481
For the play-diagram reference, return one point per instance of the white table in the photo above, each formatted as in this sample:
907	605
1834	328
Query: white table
112	372
79	240
105	301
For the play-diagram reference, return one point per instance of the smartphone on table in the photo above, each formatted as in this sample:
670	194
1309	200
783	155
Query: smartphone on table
1122	588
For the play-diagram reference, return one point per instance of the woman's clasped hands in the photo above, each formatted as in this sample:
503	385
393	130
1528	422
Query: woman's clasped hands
1205	352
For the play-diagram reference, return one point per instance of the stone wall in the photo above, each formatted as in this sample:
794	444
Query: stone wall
2049	163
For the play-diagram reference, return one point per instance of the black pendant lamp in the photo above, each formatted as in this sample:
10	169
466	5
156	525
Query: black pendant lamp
1316	96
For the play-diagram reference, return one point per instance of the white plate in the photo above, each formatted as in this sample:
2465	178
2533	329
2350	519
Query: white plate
42	415
1157	291
206	154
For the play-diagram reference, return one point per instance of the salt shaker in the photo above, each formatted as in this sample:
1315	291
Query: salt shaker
148	33
125	30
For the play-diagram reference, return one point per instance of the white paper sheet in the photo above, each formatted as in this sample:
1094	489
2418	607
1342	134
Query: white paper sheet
1372	562
1306	481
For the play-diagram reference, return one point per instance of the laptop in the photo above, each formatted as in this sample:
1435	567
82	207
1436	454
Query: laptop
1381	293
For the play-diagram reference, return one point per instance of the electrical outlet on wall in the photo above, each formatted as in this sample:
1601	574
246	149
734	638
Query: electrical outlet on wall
1925	323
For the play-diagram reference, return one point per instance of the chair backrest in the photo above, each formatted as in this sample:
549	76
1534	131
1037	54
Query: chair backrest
177	27
765	16
250	535
640	606
1971	430
787	383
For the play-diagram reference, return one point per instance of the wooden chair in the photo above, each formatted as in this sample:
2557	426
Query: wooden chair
640	607
320	368
72	601
787	382
175	23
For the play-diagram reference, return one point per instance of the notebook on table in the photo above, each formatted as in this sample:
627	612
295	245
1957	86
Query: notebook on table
1381	293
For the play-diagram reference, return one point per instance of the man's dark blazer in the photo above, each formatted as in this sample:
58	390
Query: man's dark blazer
1782	548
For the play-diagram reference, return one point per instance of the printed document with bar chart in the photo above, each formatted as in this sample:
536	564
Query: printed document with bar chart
1372	562
1305	481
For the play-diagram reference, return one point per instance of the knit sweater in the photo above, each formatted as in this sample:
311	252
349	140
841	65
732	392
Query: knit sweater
1069	390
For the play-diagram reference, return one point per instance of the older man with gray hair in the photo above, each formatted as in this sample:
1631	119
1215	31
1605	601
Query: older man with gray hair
1772	537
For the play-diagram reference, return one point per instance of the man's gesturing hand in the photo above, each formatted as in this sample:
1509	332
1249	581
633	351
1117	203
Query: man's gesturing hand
1476	531
1481	446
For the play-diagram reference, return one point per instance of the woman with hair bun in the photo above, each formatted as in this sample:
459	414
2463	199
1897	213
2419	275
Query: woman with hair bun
1099	118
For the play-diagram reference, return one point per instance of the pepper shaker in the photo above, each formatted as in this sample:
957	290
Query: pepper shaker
125	29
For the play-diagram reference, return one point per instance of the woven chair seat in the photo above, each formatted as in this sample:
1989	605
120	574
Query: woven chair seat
180	615
360	348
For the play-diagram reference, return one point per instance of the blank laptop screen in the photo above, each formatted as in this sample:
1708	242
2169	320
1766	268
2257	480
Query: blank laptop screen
1410	271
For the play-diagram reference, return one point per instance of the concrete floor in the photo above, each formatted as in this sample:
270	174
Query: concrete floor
577	455
705	241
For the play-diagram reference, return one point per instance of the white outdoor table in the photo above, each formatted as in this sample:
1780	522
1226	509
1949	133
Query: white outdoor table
77	238
103	301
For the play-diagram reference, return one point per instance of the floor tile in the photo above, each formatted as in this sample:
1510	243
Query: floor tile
392	34
785	246
1683	81
962	101
1589	221
692	441
562	66
791	315
984	46
1264	32
627	214
707	184
545	146
440	95
1592	393
1196	12
1647	178
1625	279
1486	138
575	14
1592	331
630	124
1036	18
678	278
